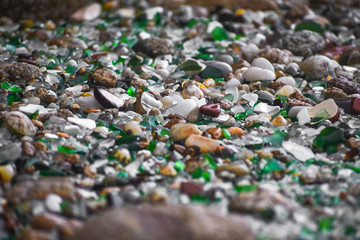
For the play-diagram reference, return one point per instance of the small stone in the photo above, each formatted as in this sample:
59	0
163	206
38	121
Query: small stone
83	122
262	63
52	203
287	80
24	71
203	143
215	133
107	99
225	68
72	130
40	146
236	169
304	43
236	131
348	86
300	152
134	128
286	90
7	172
28	148
279	121
123	155
87	13
317	66
185	107
211	109
192	91
191	188
256	73
20	124
154	46
104	77
276	55
179	132
168	170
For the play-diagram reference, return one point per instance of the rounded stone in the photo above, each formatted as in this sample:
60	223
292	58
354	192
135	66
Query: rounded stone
104	77
304	43
22	70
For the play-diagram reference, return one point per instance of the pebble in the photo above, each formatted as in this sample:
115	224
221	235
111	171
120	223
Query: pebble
287	80
224	67
317	66
236	131
286	90
256	73
203	143
304	43
276	55
185	107
154	46
164	222
279	121
28	148
211	109
180	131
7	172
107	99
20	124
53	203
87	13
263	63
300	152
85	123
104	77
134	128
192	91
72	130
22	70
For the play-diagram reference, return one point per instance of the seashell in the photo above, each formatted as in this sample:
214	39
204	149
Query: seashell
20	124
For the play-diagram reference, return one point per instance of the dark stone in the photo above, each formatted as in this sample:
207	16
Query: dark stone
40	9
154	46
24	71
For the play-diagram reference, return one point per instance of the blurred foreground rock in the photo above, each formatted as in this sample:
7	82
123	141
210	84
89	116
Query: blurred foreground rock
165	222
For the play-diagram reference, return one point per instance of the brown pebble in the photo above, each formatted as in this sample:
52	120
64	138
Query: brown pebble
236	131
40	146
91	110
88	172
28	148
215	132
73	158
61	134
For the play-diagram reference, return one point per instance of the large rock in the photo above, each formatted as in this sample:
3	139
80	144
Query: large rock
163	223
304	43
40	9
